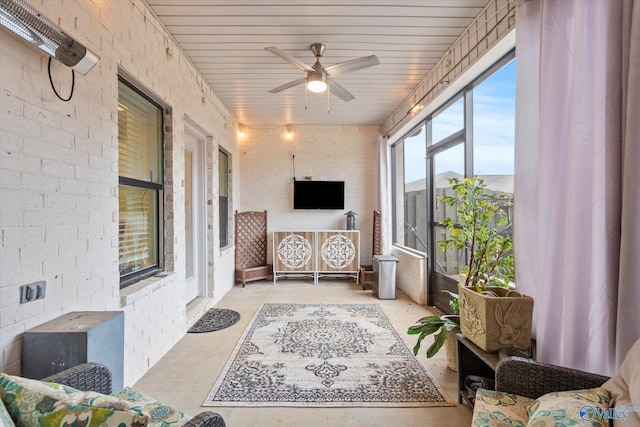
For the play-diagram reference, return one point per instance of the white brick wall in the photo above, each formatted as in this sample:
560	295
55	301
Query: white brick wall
340	153
59	178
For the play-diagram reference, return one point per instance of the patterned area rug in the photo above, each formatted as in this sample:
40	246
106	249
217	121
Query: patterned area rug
214	320
327	355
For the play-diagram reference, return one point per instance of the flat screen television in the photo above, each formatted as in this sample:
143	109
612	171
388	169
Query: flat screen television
318	194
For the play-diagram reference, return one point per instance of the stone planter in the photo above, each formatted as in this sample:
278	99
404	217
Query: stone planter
451	349
451	344
494	323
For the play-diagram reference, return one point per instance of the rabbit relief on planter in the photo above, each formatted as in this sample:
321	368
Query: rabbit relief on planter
508	335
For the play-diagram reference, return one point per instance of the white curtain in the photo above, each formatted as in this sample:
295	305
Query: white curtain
577	189
384	194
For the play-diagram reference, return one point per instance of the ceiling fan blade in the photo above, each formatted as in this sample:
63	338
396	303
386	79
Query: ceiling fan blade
289	58
351	65
339	91
288	85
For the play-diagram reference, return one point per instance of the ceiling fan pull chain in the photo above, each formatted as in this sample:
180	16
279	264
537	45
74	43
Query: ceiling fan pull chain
306	106
328	103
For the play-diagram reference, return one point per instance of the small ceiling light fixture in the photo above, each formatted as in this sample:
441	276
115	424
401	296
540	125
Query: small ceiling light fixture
316	82
288	133
28	24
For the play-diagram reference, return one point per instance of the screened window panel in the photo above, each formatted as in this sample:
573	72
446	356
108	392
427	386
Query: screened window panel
448	121
138	237
140	136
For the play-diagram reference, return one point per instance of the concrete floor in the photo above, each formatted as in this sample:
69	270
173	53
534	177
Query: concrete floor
186	374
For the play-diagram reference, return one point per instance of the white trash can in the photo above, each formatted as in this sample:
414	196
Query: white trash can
384	276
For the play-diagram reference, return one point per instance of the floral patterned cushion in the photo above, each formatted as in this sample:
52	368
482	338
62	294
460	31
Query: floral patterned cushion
37	403
498	409
160	414
5	418
570	408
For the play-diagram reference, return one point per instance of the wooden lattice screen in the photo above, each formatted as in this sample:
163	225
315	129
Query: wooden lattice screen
377	227
366	271
251	239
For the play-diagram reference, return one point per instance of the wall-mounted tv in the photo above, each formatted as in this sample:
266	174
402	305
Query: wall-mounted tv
318	194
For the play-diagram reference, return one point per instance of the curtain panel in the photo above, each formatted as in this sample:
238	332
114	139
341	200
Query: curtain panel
576	186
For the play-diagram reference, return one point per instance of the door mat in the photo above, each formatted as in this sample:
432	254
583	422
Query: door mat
214	320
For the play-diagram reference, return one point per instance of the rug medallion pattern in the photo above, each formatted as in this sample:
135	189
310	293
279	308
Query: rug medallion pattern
323	355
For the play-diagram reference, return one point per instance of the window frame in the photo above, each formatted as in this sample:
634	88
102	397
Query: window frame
158	187
226	227
464	136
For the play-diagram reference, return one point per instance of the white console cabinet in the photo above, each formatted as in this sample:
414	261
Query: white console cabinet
316	254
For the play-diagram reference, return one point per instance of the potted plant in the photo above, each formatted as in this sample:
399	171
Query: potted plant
446	328
492	314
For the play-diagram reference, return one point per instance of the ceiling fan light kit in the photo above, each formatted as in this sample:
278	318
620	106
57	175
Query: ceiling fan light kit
316	83
320	78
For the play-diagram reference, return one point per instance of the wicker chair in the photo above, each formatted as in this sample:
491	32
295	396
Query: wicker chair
96	377
526	377
251	247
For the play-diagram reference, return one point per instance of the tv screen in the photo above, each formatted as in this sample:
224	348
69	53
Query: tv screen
318	194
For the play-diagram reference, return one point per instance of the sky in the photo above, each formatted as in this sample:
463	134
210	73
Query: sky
494	128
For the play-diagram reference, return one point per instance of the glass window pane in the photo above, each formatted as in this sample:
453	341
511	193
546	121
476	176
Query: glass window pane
138	242
448	164
223	200
397	155
223	174
494	126
448	122
139	136
415	179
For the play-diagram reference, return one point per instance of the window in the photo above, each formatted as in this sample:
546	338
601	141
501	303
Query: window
412	209
223	199
140	187
470	134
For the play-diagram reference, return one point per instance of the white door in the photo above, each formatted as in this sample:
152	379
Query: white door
195	242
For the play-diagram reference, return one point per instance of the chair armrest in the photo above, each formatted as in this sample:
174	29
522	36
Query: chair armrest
526	377
206	419
86	377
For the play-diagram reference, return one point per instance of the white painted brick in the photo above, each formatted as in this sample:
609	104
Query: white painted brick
10	179
16	160
54	168
37	218
74	247
88	145
61	233
51	139
39	183
17	237
45	117
53	267
37	254
20	125
13	274
59	201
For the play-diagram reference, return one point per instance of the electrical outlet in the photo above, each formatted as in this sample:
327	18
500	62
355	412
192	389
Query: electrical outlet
33	291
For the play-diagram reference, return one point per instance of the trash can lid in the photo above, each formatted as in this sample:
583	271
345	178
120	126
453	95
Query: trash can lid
386	258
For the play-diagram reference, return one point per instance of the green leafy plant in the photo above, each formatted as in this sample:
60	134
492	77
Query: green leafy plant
454	303
481	228
428	325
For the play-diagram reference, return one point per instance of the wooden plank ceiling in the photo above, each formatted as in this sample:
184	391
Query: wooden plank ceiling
225	39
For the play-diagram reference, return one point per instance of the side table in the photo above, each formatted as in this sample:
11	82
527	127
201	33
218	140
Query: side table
472	360
74	338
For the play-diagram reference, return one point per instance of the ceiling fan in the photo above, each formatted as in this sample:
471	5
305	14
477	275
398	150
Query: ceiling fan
320	77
